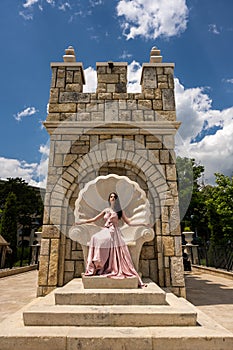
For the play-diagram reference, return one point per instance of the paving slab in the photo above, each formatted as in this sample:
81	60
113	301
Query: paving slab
17	291
213	295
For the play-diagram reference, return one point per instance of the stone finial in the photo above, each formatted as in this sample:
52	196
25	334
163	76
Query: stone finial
69	55
155	56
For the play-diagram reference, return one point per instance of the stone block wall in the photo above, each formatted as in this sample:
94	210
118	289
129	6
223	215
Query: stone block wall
111	131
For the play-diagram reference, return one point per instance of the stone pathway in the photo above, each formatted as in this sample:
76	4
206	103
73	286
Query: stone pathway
17	291
211	294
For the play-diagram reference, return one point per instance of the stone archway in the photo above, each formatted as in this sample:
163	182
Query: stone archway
70	263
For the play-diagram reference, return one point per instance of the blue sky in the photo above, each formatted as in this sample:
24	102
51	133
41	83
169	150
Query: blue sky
196	35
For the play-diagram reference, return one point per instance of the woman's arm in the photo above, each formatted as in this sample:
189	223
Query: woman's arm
128	222
88	221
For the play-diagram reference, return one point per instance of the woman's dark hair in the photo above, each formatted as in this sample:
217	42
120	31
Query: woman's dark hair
117	205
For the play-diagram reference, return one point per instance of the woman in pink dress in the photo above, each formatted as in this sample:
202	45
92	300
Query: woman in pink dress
108	254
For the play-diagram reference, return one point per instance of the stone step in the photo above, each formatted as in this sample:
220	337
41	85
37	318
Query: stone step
74	294
104	338
103	282
113	316
207	336
45	313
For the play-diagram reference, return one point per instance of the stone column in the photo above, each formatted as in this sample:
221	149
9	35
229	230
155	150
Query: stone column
66	84
158	85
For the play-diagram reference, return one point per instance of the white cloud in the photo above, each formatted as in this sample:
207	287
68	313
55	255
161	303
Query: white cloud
191	105
94	3
134	77
91	80
33	173
26	16
76	14
125	55
30	3
230	80
16	168
213	29
215	152
64	6
79	8
42	168
25	113
152	18
51	2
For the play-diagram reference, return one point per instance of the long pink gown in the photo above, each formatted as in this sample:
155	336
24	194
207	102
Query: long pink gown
108	254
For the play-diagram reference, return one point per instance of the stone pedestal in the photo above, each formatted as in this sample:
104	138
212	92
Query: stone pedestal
103	282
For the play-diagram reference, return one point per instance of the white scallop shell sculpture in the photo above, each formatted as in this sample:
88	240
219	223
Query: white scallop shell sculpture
93	198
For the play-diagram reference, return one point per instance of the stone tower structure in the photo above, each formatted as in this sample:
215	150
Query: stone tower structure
111	131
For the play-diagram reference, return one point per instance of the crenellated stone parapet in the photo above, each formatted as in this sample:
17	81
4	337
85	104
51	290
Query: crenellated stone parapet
111	101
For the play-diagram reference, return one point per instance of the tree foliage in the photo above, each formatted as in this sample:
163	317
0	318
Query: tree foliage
207	209
8	225
27	200
220	209
190	195
28	203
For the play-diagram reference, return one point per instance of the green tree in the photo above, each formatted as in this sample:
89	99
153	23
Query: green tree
8	225
28	202
206	209
192	196
220	210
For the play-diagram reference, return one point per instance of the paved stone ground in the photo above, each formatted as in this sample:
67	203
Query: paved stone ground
211	294
17	291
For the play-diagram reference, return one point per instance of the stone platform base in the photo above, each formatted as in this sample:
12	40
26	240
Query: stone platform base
72	318
103	282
